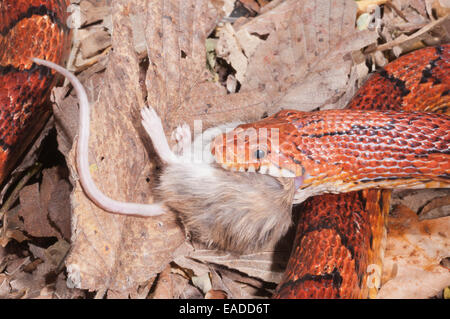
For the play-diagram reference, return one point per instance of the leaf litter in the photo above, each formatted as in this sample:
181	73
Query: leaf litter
263	56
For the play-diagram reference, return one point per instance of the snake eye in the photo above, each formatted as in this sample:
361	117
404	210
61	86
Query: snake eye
259	154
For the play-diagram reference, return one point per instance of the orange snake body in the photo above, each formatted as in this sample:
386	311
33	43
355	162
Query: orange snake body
28	29
372	144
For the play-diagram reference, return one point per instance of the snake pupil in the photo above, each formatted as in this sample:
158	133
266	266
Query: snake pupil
259	154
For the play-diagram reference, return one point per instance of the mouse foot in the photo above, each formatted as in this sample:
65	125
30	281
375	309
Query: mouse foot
183	138
153	125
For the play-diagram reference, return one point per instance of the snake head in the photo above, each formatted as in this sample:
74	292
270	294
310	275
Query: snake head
255	147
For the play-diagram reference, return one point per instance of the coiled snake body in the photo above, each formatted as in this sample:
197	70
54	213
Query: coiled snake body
372	144
27	29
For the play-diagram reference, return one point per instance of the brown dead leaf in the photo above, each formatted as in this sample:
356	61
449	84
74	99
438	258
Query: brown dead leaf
90	13
95	42
36	201
28	160
237	285
441	7
33	211
237	289
412	264
56	253
164	286
59	211
180	286
4	286
216	294
238	278
305	62
426	203
22	284
263	265
12	228
441	206
38	275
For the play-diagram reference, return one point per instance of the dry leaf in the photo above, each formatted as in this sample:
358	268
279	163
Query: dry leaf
28	160
12	228
250	5
216	294
202	282
412	264
44	207
56	253
95	43
110	251
263	265
59	212
305	62
427	203
164	286
235	47
423	33
180	286
38	278
33	211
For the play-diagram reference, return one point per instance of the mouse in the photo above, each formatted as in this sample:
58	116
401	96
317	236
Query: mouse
239	212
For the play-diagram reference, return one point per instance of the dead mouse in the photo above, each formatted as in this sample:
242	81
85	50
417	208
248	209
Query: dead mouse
238	212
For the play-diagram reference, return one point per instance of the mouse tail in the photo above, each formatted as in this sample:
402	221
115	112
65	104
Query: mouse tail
87	183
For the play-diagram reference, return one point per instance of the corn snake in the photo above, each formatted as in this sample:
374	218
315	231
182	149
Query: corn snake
339	236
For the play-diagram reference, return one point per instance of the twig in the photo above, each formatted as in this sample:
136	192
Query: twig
413	37
393	7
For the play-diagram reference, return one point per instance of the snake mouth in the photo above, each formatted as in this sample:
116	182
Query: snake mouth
269	169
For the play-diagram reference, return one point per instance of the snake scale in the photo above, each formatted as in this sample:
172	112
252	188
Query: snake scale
384	139
338	235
